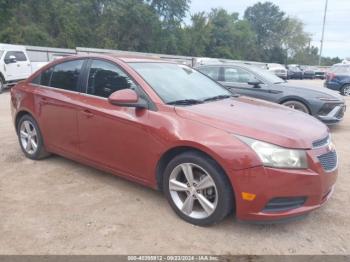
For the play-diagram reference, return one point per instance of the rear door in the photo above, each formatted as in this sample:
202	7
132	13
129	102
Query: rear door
18	70
236	79
58	97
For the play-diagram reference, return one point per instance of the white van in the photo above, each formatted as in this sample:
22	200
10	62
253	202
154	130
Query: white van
15	65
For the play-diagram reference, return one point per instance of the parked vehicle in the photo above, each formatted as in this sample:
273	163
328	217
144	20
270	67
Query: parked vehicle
338	78
15	65
278	70
320	73
308	72
254	82
294	72
170	127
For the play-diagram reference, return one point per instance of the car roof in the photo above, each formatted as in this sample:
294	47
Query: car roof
228	64
9	47
123	58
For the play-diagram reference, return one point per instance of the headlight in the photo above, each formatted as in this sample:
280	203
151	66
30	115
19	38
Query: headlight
329	99
275	156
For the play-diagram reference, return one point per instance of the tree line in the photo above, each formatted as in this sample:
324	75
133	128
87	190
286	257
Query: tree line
264	33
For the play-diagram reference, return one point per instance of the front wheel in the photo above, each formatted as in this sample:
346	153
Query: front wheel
197	189
345	91
297	106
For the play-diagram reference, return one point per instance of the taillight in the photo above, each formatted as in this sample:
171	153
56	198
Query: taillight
330	76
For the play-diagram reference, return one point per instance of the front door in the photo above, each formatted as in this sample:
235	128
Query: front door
112	136
236	79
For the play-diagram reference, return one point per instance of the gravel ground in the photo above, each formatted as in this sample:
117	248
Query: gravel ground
57	206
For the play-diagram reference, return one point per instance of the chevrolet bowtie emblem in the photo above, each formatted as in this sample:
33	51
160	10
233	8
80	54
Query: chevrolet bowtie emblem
331	147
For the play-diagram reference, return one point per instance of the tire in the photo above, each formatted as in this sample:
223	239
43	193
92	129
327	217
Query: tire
297	106
2	85
345	91
208	200
29	135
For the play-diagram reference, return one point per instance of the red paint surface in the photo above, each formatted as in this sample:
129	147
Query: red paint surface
129	142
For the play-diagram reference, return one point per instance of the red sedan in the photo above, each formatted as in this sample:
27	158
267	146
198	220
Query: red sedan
169	127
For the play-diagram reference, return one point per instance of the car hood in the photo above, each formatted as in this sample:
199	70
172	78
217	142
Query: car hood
315	92
258	119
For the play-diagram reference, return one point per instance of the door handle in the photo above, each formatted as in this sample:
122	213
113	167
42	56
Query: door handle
44	101
87	114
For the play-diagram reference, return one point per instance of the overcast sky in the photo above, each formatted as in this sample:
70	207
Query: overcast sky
337	31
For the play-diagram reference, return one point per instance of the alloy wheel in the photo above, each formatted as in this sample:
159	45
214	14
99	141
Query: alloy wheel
297	106
346	90
193	190
29	137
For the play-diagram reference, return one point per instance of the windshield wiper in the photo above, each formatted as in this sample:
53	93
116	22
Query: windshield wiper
186	102
220	97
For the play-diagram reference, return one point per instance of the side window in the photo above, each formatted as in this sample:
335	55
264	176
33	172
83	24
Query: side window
44	78
105	78
20	56
212	72
238	75
64	76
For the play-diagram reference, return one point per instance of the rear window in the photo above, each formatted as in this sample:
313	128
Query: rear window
345	69
212	72
63	76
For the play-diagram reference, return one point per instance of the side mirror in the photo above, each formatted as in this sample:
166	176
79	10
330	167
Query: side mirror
127	98
255	84
11	59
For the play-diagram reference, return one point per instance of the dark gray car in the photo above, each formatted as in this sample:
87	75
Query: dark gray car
326	105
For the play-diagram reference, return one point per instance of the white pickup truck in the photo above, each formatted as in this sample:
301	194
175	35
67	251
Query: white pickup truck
15	65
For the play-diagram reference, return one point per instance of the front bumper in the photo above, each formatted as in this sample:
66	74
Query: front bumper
314	184
334	116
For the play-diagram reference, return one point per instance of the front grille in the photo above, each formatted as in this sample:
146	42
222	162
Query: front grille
326	109
284	203
321	142
340	113
329	161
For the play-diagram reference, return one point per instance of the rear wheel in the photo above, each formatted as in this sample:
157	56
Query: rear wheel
345	91
30	138
197	189
2	85
297	106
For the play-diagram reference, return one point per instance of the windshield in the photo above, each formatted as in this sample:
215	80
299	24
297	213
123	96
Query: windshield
268	76
1	52
294	68
174	82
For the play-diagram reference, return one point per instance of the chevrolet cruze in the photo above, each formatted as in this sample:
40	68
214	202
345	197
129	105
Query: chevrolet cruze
171	128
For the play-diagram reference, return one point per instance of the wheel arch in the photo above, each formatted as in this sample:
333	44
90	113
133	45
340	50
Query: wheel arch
20	114
175	151
298	99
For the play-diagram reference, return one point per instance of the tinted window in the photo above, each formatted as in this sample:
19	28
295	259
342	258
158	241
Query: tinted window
238	75
44	78
174	82
65	76
212	72
266	75
20	56
106	78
